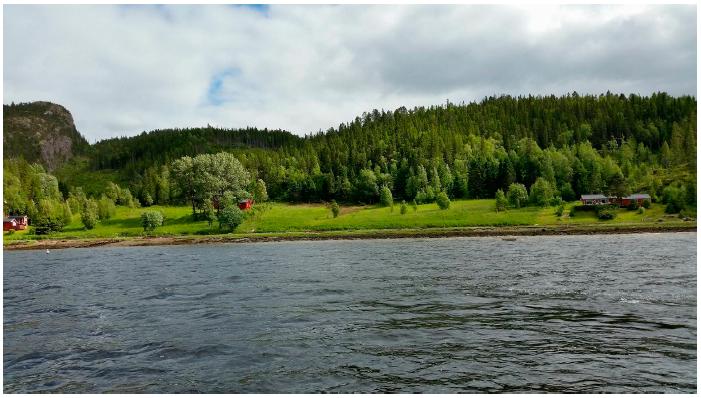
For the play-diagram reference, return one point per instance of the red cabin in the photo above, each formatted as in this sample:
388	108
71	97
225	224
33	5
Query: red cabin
9	224
14	223
245	204
638	198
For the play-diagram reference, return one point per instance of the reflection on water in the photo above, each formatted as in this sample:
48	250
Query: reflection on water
612	313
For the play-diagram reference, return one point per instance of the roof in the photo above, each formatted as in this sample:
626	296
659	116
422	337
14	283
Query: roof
244	200
9	220
638	196
594	196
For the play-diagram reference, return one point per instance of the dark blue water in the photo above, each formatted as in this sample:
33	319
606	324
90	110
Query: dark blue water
612	313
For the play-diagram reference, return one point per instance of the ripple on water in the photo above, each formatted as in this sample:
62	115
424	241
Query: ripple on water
460	315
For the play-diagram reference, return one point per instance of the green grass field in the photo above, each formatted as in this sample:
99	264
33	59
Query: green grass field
279	218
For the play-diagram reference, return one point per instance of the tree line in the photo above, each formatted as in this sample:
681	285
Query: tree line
563	146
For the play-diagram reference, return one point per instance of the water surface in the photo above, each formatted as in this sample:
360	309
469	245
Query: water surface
608	313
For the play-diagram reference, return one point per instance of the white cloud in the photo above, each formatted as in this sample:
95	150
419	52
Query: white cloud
124	69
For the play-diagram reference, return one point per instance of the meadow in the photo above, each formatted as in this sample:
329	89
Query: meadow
269	218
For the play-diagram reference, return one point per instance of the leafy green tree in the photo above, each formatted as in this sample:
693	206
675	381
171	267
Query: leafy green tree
386	197
66	213
230	218
500	200
443	201
105	208
517	195
367	186
49	217
151	220
541	192
209	213
260	192
148	200
88	215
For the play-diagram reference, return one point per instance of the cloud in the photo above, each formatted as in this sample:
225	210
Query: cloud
125	69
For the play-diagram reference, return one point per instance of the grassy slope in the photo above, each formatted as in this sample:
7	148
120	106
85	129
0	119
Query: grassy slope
277	218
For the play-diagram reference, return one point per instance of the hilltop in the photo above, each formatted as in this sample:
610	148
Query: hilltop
41	132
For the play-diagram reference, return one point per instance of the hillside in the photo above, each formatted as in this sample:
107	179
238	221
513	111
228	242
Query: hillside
610	143
41	132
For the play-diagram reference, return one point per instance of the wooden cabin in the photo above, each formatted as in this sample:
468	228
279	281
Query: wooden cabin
594	199
638	198
9	224
15	223
245	204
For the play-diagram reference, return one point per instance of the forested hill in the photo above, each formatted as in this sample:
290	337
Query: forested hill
41	132
575	144
163	146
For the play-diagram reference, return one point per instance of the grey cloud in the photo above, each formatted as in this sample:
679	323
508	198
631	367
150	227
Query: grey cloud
125	69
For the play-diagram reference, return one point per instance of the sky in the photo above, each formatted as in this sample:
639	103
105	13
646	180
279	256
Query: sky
122	70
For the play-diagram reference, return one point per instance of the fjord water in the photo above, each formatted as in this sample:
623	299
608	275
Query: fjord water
607	313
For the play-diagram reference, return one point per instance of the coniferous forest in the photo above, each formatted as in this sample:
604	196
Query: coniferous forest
572	145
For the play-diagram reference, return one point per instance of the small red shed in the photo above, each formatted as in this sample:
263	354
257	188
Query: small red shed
9	224
639	198
245	204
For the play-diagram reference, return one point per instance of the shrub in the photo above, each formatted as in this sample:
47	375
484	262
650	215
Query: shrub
517	195
606	213
335	209
560	210
633	205
414	205
573	212
500	200
88	215
386	197
66	213
403	208
148	200
231	217
646	203
641	210
556	201
105	208
443	201
150	220
672	207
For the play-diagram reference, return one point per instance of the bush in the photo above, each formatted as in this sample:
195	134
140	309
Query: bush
573	212
403	208
335	209
500	200
148	200
105	208
89	214
66	214
560	210
646	203
606	212
672	207
641	210
633	205
231	217
443	201
414	205
517	195
150	220
556	201
386	197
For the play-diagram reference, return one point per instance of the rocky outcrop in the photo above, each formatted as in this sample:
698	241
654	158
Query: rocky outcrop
41	132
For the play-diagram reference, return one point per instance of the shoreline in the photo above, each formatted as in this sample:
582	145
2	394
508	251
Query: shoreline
530	230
